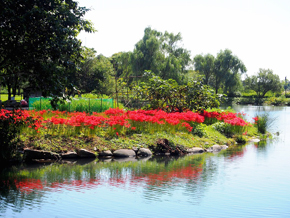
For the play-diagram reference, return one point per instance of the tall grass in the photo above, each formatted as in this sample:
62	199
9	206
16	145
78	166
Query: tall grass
77	104
263	122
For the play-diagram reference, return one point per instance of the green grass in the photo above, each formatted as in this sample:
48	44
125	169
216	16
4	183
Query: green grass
4	97
77	104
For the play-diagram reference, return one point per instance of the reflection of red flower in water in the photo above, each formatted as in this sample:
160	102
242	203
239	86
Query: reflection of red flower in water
188	173
29	185
237	154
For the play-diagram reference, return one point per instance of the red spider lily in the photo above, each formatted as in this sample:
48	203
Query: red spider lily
256	119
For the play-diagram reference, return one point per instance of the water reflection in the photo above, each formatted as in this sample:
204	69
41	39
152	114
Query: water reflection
26	185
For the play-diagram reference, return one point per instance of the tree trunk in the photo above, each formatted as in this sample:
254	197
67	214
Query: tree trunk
9	91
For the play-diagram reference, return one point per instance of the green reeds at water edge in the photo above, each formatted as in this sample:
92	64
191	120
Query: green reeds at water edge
76	104
263	122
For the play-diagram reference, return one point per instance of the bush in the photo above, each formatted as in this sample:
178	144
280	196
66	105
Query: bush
199	129
10	127
169	96
227	129
223	128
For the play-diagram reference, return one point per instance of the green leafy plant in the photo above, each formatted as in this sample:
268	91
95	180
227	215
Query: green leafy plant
199	129
169	96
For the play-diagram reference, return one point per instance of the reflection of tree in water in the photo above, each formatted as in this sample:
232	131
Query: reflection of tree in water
234	152
12	194
23	187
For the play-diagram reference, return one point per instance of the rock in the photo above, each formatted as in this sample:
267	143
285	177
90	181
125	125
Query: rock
135	149
145	152
30	155
124	153
195	150
69	155
214	148
224	147
85	153
254	140
106	153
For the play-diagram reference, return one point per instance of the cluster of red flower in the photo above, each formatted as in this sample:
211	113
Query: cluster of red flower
116	118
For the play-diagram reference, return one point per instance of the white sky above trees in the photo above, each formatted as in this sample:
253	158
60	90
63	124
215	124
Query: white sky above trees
257	31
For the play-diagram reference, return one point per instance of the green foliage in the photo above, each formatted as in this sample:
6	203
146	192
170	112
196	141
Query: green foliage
223	71
94	96
92	71
278	101
224	128
263	82
241	139
167	95
205	66
80	105
199	129
263	122
39	45
161	54
227	71
10	127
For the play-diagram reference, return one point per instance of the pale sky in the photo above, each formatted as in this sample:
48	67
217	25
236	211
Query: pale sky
257	31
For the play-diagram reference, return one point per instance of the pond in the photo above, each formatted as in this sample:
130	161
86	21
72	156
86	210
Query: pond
248	181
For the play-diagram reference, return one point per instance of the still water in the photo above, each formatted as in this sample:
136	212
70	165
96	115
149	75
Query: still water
249	181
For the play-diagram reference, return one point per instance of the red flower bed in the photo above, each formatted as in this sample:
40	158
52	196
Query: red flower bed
121	121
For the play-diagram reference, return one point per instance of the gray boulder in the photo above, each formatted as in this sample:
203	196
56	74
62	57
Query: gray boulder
124	153
195	150
69	155
85	153
106	153
215	148
144	152
30	154
224	147
254	140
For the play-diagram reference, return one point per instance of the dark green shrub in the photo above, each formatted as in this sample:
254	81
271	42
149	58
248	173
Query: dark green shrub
10	127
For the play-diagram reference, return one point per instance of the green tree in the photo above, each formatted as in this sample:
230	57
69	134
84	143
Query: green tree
106	69
38	42
263	82
92	71
122	64
161	54
227	68
205	65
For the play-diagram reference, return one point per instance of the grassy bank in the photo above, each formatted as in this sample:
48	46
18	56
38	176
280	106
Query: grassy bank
63	144
116	128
